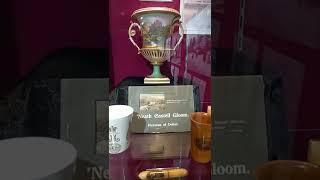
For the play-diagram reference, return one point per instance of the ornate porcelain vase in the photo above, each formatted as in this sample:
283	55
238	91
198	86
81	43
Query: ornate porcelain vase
156	26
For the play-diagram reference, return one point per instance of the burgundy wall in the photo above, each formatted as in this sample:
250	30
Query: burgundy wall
9	71
286	42
43	26
38	28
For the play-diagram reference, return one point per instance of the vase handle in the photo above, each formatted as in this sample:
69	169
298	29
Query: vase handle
181	34
132	33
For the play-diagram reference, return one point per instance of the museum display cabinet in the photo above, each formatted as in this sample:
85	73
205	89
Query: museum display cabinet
160	138
160	89
256	83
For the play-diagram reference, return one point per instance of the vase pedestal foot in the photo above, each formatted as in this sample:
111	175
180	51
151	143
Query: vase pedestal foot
153	80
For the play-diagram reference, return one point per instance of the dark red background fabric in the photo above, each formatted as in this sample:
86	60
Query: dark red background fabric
33	29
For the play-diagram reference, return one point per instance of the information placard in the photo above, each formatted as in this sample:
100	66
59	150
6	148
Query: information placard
160	109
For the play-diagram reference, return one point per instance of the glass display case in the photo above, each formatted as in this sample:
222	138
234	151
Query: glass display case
196	89
188	65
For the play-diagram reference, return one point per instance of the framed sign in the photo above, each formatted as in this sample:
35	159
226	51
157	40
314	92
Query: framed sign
161	109
82	114
196	16
239	118
199	54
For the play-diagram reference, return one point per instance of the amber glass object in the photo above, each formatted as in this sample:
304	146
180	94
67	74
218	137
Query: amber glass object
201	137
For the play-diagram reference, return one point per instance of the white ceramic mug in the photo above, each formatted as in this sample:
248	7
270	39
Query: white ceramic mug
119	120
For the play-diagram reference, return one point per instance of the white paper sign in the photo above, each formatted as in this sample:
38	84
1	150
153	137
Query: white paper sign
196	16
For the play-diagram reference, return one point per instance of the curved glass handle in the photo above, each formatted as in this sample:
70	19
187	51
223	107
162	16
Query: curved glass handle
181	34
132	33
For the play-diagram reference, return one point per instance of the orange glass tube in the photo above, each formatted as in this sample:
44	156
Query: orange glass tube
201	137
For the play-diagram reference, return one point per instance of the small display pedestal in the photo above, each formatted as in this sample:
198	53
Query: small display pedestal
155	81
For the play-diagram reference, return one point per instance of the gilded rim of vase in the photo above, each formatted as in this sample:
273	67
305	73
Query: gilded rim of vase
155	9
